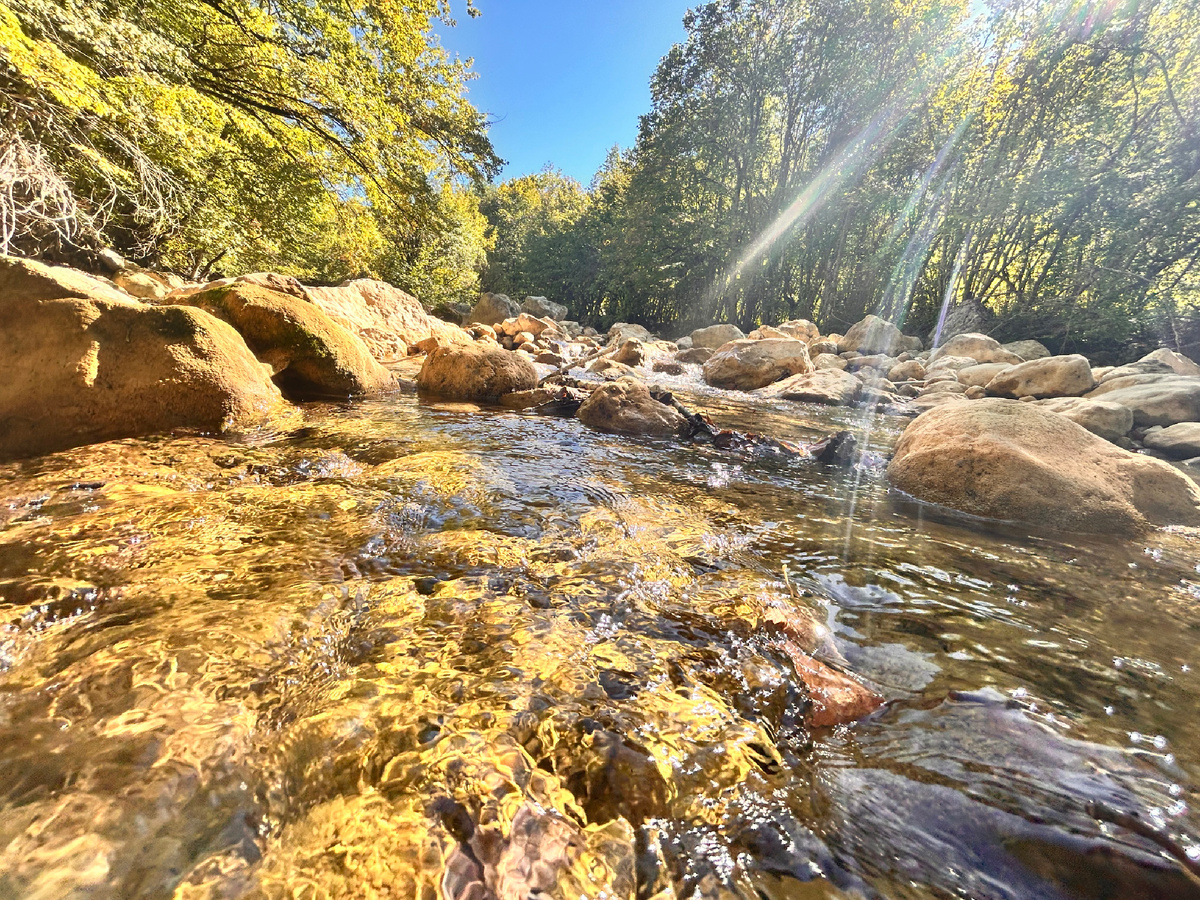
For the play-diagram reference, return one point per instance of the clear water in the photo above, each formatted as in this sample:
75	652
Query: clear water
427	650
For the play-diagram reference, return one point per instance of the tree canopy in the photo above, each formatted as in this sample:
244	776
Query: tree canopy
323	137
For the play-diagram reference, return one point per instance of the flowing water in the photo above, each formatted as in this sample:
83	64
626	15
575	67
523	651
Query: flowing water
428	650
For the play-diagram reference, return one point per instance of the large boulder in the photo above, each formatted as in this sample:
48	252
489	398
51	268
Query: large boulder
493	308
1054	376
1027	350
980	375
909	370
1154	399
480	371
873	335
626	406
715	336
624	331
745	365
540	307
1009	460
387	319
979	347
801	330
1176	362
1110	421
831	387
966	316
1180	441
80	362
310	355
695	355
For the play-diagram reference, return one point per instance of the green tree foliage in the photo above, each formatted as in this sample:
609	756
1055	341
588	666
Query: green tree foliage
823	159
315	136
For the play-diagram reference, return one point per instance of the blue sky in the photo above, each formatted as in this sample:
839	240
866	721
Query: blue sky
564	80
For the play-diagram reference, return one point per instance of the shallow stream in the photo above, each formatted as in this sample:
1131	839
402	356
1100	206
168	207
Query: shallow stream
415	649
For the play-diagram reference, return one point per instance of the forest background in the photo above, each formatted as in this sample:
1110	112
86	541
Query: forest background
801	159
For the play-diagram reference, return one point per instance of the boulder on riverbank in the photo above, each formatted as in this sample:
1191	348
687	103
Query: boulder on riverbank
386	319
873	335
745	365
715	336
1180	441
1004	459
979	347
491	309
311	356
480	371
1154	399
1054	376
1110	421
81	363
625	406
541	308
831	387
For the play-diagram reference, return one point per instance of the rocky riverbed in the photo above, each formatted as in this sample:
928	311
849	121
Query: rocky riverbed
423	640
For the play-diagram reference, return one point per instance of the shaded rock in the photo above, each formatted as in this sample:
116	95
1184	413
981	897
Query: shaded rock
909	370
625	406
1008	460
1154	399
875	361
942	398
975	392
273	281
1176	362
831	387
980	375
1054	376
80	362
746	365
491	309
950	364
386	319
695	355
1141	367
828	361
630	353
540	307
825	345
310	355
944	387
454	313
684	343
528	399
873	335
801	330
715	336
1180	441
667	367
481	332
478	371
1108	420
910	343
966	316
978	347
1027	350
624	331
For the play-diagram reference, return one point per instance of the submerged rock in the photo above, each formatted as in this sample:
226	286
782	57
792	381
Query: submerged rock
479	371
1009	460
81	363
625	406
746	365
310	355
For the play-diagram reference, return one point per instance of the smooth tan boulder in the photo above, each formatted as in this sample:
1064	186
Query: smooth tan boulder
950	364
745	365
873	335
623	331
715	336
944	387
611	369
1027	350
1004	459
831	387
1180	441
699	355
1154	399
980	375
310	355
480	371
630	353
1054	376
80	363
1105	419
1176	362
825	361
909	370
625	406
823	345
387	319
800	329
979	347
766	331
491	309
